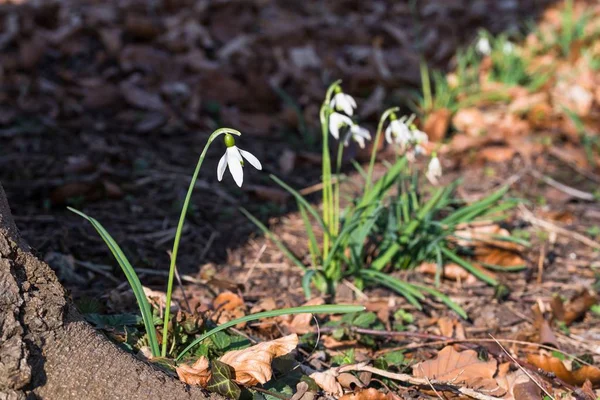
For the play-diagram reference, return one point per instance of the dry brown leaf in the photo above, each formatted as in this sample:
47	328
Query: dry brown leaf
575	308
497	154
558	367
366	394
451	327
436	125
228	306
300	323
470	121
327	380
460	368
519	386
196	374
452	271
253	365
500	257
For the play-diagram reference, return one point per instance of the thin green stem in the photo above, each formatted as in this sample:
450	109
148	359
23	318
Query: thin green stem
324	114
336	195
175	250
382	120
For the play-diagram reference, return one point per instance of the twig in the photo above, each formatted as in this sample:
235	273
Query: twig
416	381
522	369
256	260
529	217
429	382
580	194
541	261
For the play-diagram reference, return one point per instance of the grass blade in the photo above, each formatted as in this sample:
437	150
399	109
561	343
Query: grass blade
323	309
469	267
443	298
132	278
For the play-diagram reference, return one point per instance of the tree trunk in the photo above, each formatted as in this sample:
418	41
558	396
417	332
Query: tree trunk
47	350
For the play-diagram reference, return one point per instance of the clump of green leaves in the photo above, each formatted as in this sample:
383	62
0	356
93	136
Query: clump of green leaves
390	225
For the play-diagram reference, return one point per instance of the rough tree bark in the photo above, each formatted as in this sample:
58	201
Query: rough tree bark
47	350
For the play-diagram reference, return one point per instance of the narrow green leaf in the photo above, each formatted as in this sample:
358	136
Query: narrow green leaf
132	278
443	298
323	309
469	267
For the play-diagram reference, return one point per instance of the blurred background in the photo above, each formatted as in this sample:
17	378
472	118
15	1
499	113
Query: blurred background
105	105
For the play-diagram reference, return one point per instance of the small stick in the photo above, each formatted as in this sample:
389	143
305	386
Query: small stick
522	369
416	381
580	194
541	261
529	217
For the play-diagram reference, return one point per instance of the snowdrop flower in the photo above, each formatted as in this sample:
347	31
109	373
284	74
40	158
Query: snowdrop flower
419	137
483	46
397	132
434	170
337	121
508	48
233	159
359	135
343	102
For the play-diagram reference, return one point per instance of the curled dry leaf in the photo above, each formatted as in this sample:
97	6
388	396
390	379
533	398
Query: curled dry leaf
228	306
196	374
452	271
366	394
436	125
461	368
564	371
575	308
253	365
327	380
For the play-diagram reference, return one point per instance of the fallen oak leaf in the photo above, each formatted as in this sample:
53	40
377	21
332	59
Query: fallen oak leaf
456	368
253	365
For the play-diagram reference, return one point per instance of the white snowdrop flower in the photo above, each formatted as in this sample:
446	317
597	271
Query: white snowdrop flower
233	159
359	135
508	48
419	137
483	46
337	121
343	102
397	132
434	170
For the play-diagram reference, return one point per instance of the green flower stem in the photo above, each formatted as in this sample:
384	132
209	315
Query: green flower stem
324	114
324	309
175	250
336	211
382	120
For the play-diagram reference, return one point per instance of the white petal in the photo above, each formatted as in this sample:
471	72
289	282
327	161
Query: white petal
388	134
333	102
251	159
222	167
351	101
346	104
234	161
334	128
336	121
